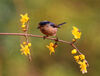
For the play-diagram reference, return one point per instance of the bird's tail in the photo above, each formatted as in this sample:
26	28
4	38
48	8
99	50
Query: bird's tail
61	24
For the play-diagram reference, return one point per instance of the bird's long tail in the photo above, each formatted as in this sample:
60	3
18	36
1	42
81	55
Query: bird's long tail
61	24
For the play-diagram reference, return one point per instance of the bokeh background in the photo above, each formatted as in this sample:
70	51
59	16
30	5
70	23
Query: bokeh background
84	14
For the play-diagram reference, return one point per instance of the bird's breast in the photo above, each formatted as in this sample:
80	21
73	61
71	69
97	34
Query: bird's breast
48	30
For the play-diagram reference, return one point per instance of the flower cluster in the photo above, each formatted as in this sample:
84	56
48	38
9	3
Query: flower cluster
24	20
80	59
52	47
76	32
25	48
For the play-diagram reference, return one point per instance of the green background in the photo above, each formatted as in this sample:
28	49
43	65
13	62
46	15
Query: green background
84	14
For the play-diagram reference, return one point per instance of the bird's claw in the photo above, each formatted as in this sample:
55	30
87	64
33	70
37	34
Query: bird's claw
44	37
56	39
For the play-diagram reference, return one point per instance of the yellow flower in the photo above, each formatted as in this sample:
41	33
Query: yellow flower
25	50
73	40
83	66
29	44
76	57
74	51
23	26
24	18
82	57
76	33
24	43
51	48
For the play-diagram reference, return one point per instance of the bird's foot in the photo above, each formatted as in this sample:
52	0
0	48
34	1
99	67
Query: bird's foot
44	37
56	40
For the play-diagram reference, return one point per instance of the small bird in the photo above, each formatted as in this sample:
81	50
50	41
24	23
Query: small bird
48	28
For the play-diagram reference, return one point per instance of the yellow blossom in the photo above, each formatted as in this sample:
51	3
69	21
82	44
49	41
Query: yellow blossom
29	44
25	50
76	33
24	18
51	48
83	66
82	57
23	26
74	51
24	43
73	40
76	58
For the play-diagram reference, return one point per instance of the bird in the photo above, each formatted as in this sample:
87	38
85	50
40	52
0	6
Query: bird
48	28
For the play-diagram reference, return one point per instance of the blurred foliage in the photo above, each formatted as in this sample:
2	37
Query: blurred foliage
85	14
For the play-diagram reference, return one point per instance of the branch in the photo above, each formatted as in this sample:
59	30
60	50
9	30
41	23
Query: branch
38	36
31	35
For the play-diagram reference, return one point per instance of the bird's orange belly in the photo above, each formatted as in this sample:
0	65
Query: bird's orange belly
49	31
